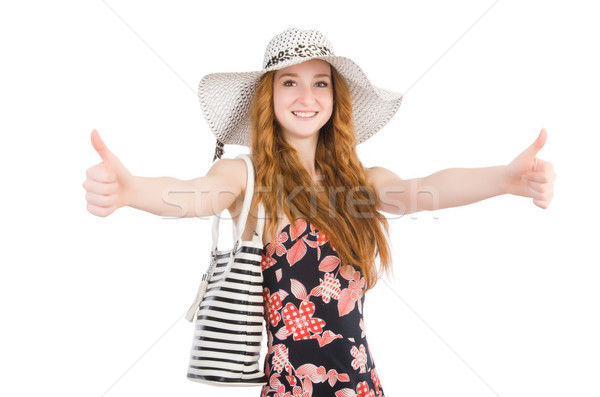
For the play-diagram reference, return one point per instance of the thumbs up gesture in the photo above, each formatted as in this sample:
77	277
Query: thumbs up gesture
528	176
108	184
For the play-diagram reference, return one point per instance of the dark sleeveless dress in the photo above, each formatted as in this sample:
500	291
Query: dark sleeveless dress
313	311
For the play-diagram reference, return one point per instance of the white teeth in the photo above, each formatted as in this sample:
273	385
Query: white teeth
304	114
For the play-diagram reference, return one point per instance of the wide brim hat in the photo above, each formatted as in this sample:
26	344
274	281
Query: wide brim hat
226	98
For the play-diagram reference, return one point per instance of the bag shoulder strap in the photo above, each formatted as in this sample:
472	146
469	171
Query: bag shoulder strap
238	229
260	222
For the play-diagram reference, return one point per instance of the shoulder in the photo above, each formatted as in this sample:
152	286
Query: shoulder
390	190
378	176
231	172
226	165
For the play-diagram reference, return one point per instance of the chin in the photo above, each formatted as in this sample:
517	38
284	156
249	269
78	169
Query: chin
307	134
301	133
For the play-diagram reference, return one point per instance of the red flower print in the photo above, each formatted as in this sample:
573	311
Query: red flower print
279	248
297	228
332	377
266	261
299	322
276	246
312	244
362	390
313	374
282	333
376	381
349	273
270	249
281	392
352	294
329	263
343	377
328	288
308	386
291	379
326	338
275	386
298	392
360	358
296	252
298	289
272	306
322	238
281	358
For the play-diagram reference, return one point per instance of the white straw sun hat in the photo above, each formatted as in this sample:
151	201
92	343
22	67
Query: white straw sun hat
226	98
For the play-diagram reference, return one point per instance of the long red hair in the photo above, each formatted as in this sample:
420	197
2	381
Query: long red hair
344	208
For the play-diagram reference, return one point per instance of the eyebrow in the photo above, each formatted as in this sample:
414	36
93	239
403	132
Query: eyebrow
296	75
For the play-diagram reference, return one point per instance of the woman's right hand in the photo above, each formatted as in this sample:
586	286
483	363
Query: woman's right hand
108	184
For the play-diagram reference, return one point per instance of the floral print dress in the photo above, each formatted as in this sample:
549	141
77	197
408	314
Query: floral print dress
313	310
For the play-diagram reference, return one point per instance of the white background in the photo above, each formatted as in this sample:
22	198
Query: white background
498	298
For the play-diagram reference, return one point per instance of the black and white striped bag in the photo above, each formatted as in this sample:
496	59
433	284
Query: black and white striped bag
228	308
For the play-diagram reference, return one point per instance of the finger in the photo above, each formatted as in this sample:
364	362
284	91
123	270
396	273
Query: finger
99	200
545	194
101	173
99	211
538	187
544	166
103	189
541	203
534	194
539	177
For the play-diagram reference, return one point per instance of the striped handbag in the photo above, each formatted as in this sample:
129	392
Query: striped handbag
228	308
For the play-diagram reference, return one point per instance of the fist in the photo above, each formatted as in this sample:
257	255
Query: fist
107	184
532	177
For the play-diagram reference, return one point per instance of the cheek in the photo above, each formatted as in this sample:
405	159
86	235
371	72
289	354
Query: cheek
280	102
277	104
327	103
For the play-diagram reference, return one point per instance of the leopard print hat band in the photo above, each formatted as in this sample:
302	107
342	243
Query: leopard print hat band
225	98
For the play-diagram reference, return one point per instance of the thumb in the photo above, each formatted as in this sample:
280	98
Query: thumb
107	156
538	144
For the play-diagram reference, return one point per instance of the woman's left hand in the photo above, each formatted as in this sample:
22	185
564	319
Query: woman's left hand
528	176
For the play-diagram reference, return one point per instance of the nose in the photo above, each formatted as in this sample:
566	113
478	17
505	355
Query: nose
306	95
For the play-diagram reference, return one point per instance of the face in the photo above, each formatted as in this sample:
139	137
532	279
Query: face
303	98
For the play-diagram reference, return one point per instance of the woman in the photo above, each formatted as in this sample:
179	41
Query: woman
303	115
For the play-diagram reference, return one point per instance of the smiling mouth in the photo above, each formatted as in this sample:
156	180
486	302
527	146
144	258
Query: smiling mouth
304	115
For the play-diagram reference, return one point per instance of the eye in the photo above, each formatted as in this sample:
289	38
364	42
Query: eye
289	83
322	84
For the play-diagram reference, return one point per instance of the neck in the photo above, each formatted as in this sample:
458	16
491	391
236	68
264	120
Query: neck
307	148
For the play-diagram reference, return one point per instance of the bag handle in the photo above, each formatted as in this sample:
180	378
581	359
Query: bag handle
260	223
238	229
237	234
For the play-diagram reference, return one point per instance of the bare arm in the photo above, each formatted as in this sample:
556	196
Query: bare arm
451	187
525	176
199	197
109	186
